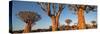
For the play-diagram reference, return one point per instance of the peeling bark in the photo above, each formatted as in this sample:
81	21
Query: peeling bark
81	19
28	27
53	23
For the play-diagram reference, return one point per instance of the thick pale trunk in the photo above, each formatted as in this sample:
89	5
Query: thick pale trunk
54	16
27	28
57	22
53	23
81	19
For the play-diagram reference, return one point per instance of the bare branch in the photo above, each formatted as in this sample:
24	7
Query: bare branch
43	6
49	11
54	9
61	7
46	8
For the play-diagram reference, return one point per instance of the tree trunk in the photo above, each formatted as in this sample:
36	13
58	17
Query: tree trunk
53	23
27	27
81	19
57	22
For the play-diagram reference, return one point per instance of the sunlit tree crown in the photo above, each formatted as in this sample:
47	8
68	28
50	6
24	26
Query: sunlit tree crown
29	15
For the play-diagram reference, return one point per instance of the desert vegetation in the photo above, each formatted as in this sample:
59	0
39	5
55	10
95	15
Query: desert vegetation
54	12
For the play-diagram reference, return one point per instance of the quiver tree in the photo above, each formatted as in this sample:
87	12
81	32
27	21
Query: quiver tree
53	11
29	18
68	21
94	24
80	10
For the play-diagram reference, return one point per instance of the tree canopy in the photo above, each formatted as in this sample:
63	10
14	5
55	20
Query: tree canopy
86	8
29	15
68	21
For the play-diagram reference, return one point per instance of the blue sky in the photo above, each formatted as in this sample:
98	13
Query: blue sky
45	22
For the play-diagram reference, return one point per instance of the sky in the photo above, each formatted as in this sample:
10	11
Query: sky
45	22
